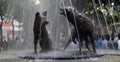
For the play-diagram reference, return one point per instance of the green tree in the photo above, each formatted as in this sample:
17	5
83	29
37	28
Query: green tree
109	10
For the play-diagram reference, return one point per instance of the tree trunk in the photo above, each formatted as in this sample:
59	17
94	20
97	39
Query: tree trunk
1	33
13	30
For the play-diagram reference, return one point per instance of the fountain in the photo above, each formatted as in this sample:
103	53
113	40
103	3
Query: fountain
59	54
59	28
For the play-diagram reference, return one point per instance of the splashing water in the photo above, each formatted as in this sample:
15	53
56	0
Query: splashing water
52	6
97	16
104	17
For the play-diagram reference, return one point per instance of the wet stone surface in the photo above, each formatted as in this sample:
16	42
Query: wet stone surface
61	55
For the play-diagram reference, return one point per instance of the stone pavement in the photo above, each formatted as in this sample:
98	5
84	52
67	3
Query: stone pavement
108	51
16	53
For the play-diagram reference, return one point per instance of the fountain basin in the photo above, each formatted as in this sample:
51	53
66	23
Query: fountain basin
61	55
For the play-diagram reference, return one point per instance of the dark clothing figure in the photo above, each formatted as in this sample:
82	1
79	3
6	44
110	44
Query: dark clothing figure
36	30
45	41
5	45
43	29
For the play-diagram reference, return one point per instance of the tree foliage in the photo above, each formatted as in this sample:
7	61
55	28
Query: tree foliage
107	10
3	7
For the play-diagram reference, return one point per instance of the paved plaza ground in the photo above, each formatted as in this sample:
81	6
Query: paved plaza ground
109	56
